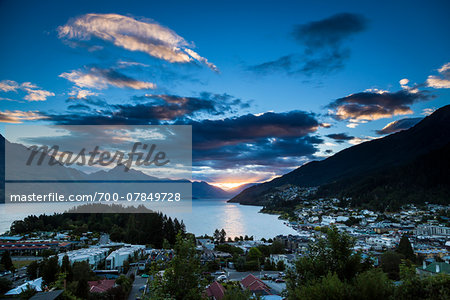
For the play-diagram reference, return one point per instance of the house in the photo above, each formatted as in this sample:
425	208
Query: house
255	285
434	268
52	295
35	284
101	286
287	259
116	259
215	291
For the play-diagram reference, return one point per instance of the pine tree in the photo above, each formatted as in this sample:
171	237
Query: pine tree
405	248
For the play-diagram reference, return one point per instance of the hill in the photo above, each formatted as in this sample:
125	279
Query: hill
383	154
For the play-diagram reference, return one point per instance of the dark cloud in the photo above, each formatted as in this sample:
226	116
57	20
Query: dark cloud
78	107
248	128
340	137
366	106
324	46
399	125
272	153
270	139
329	32
150	109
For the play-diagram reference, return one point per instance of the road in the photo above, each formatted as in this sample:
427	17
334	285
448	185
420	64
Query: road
137	284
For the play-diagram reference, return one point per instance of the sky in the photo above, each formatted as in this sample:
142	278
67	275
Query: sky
266	85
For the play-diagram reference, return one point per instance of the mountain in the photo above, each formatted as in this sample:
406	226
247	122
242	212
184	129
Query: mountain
395	150
425	179
17	156
203	190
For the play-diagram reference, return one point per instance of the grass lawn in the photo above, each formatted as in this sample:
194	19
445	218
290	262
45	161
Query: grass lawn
21	263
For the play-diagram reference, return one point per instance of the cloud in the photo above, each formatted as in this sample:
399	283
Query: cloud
134	35
340	137
428	111
399	125
324	46
150	109
9	86
374	105
359	140
247	128
100	78
33	92
443	80
78	93
268	140
18	116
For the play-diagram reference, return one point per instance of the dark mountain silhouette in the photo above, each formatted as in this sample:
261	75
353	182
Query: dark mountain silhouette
383	154
18	154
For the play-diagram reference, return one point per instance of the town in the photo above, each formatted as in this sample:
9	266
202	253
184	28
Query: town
85	264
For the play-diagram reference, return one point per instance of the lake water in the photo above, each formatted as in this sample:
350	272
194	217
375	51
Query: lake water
206	215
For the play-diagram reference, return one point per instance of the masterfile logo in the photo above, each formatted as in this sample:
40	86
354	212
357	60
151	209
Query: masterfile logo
134	166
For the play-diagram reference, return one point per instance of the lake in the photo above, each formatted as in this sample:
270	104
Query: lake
206	216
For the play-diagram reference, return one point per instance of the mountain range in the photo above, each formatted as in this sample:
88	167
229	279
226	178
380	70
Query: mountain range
357	164
17	152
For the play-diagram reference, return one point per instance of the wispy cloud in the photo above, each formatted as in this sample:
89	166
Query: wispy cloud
33	92
340	137
442	81
78	93
399	125
135	35
100	78
324	46
18	116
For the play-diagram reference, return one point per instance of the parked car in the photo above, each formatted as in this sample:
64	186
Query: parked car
279	280
222	277
220	273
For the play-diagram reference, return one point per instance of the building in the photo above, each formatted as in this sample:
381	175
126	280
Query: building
101	286
215	291
93	255
434	268
35	284
255	285
287	259
432	230
33	248
117	258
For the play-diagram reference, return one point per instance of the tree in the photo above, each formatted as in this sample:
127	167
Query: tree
236	293
254	254
7	262
390	263
222	236
182	279
166	244
327	259
66	268
82	289
372	285
405	248
49	269
32	270
5	285
280	265
81	269
216	236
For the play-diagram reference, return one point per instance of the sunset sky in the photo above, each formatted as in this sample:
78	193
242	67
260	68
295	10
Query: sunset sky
266	85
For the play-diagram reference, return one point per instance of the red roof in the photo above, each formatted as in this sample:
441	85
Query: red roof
215	290
101	286
255	284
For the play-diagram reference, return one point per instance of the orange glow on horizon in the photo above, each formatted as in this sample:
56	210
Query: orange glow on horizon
233	185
